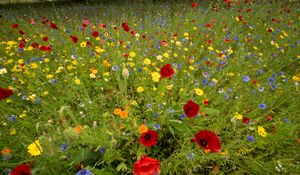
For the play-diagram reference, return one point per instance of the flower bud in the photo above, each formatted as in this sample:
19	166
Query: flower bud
125	73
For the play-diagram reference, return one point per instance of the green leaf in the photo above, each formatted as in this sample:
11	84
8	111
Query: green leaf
211	111
122	166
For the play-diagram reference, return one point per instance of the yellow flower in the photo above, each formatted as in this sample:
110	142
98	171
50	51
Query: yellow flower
45	93
155	76
35	148
13	132
169	87
231	74
106	74
147	61
238	116
140	89
92	76
166	55
261	131
83	44
199	91
77	81
34	65
132	54
143	129
49	76
186	34
296	78
210	48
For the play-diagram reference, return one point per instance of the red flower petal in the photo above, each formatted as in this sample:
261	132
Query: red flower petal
208	140
166	71
5	93
191	109
149	138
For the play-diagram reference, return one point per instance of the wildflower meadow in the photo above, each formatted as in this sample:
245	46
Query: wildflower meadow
150	87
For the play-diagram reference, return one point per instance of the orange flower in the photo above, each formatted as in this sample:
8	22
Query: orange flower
93	70
78	129
5	151
124	114
121	126
142	129
117	111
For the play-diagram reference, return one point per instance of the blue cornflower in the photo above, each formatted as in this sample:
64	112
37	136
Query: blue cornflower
84	172
115	68
102	150
12	118
250	138
63	147
271	79
246	78
190	156
262	106
182	116
149	105
156	126
155	115
261	89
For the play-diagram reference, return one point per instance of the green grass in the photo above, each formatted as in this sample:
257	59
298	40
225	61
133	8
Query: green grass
51	118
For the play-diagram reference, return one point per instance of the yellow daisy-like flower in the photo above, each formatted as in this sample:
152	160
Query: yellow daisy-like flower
199	91
155	76
35	148
140	89
132	54
83	44
238	116
147	61
261	131
77	81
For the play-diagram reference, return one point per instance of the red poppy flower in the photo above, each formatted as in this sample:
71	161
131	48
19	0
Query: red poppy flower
208	25
74	39
45	48
205	102
5	93
246	120
35	45
166	71
21	32
208	141
21	170
194	5
15	26
125	27
45	39
146	166
149	138
95	34
191	109
53	25
21	45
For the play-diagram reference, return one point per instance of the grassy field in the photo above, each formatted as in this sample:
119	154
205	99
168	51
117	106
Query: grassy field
145	87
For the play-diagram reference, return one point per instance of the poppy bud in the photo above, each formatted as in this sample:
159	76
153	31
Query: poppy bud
125	73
